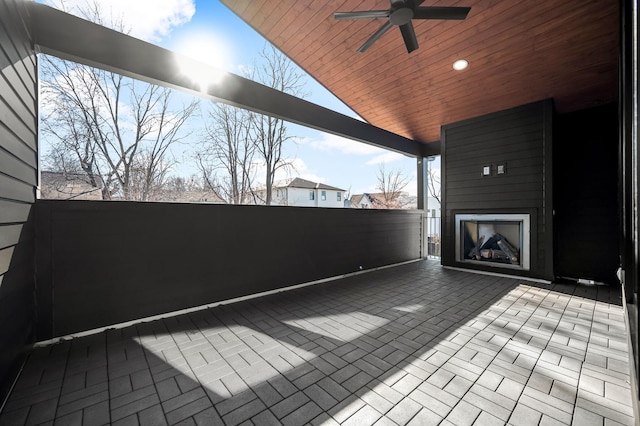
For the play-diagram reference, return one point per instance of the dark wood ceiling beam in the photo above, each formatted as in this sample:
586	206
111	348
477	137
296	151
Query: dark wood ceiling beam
68	37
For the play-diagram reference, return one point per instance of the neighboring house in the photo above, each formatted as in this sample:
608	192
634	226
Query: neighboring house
75	186
433	207
190	196
304	193
67	186
372	200
365	201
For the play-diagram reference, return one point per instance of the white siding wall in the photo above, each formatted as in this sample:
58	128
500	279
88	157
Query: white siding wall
331	198
299	197
432	204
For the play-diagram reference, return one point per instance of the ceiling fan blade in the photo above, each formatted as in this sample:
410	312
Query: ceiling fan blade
437	12
365	14
409	36
383	29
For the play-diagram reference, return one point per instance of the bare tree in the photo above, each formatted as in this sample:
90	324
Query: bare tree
149	177
433	184
118	131
187	189
237	143
226	154
270	134
179	184
390	185
67	123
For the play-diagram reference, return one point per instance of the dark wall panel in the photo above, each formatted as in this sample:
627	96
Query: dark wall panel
586	194
521	139
18	178
118	261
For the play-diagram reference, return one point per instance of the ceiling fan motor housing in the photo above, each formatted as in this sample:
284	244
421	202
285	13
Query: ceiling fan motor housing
401	16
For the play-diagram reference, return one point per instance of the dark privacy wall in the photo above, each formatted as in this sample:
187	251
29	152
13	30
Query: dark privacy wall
585	154
101	263
18	178
520	138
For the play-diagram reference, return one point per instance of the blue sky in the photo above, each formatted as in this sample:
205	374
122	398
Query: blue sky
207	30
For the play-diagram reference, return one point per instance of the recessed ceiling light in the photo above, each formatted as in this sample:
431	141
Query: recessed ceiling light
460	64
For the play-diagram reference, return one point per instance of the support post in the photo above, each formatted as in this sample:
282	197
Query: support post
423	203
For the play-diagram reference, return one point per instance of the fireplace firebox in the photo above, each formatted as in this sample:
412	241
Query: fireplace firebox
496	240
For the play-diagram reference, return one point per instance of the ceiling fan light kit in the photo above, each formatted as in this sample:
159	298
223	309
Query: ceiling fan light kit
400	15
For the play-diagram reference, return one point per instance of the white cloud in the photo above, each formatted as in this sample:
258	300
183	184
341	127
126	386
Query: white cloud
412	188
149	20
387	157
329	142
298	169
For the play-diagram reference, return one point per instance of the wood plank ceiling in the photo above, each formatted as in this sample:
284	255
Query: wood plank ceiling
519	51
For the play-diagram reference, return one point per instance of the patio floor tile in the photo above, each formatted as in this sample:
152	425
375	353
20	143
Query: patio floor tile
414	344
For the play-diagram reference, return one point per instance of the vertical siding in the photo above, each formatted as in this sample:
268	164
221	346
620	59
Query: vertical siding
519	138
18	179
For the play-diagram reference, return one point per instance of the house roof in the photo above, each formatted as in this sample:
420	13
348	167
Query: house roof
373	198
67	186
306	184
518	51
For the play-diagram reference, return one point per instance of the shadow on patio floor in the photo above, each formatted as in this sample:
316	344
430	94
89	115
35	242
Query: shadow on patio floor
413	344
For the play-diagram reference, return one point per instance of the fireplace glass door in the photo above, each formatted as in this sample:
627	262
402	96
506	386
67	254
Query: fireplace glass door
497	240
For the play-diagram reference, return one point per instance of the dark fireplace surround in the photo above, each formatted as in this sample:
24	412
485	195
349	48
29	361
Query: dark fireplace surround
497	182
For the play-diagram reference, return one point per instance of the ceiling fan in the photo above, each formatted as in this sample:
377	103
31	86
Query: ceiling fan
400	15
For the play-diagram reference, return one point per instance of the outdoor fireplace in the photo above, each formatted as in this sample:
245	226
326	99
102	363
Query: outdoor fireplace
496	240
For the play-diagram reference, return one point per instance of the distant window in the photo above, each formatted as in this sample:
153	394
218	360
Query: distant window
312	195
433	213
339	196
324	196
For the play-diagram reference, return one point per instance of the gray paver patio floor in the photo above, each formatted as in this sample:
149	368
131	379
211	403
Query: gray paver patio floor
414	344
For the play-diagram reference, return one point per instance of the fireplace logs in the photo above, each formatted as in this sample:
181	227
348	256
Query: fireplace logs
496	248
475	252
508	249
